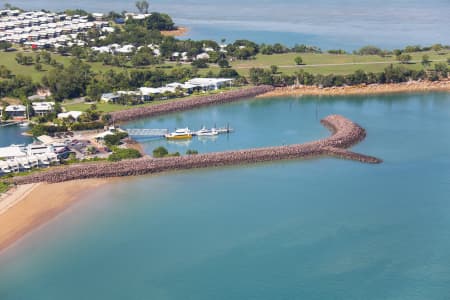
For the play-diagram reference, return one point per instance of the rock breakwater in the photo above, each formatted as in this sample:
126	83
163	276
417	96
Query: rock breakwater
181	105
345	133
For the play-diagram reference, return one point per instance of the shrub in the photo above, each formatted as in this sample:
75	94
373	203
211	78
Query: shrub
120	154
160	152
114	139
191	152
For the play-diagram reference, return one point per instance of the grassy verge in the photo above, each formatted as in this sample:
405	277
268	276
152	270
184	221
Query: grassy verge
325	63
110	107
4	186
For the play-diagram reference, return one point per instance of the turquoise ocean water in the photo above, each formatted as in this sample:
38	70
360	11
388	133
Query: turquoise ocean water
329	24
315	229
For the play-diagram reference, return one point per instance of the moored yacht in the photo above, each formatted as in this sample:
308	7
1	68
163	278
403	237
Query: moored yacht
206	132
179	134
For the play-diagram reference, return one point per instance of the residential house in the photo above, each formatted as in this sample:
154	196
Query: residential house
16	111
43	108
110	97
73	114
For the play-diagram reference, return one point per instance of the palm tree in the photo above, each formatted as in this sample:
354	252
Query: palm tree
142	6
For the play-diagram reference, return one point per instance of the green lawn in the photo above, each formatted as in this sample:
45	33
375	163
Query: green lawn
4	187
314	63
8	60
323	63
109	107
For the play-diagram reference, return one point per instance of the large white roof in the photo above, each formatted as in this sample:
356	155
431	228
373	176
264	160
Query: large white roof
11	151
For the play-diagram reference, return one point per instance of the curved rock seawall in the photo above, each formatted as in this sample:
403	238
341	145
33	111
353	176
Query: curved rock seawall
345	133
181	105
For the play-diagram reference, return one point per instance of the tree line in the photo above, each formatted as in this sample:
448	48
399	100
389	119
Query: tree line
391	74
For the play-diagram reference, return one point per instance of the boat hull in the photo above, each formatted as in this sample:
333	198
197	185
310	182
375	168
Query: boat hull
179	137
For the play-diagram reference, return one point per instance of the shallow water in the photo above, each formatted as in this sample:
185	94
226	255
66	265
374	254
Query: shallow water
346	24
13	135
316	229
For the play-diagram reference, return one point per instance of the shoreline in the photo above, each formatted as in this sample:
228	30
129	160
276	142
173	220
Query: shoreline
372	89
33	207
180	31
27	206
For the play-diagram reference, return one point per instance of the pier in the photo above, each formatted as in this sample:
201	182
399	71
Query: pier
345	134
146	132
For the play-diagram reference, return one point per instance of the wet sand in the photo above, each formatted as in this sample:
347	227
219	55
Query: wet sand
32	205
372	89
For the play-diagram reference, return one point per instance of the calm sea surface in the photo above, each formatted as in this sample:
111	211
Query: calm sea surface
316	229
330	24
12	135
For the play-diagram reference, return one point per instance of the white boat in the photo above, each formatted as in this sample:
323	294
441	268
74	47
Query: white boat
179	134
207	132
224	130
24	124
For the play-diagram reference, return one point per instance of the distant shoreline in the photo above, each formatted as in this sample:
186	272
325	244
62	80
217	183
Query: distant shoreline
180	31
372	89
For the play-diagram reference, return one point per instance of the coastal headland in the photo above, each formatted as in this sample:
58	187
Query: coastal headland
345	133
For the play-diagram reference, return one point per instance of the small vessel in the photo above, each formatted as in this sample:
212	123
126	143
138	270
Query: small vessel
224	130
179	134
206	132
24	124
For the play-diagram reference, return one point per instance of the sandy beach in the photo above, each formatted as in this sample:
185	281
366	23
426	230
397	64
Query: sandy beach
178	32
406	87
26	207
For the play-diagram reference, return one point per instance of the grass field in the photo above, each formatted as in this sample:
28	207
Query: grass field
4	187
323	63
109	107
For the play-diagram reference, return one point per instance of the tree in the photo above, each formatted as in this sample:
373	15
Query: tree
4	45
191	152
404	58
142	6
106	118
369	50
120	154
425	60
223	63
298	60
442	69
4	114
274	69
160	152
19	58
38	67
200	63
437	47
